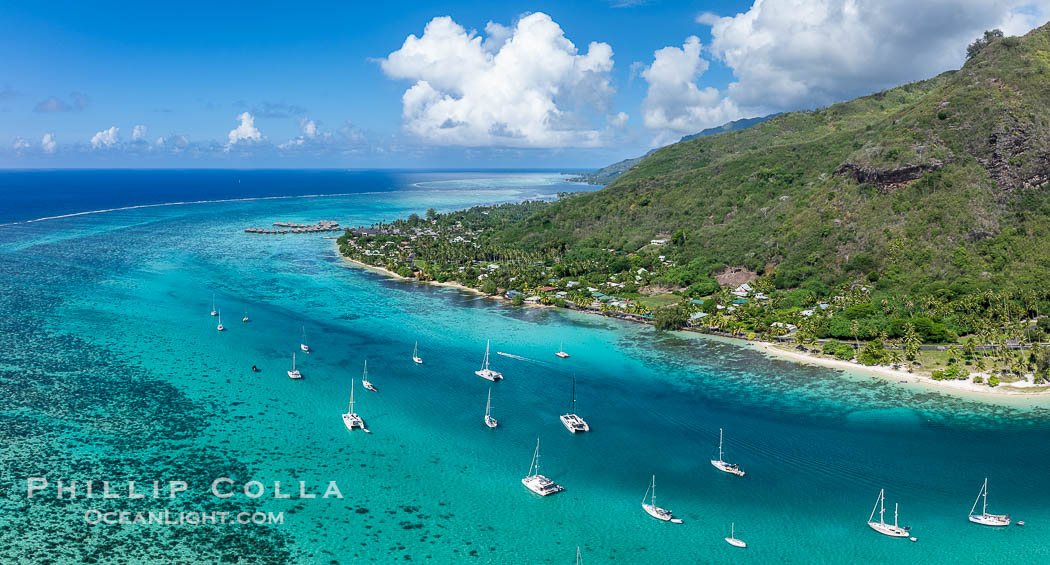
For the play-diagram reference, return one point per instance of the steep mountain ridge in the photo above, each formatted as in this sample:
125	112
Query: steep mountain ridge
937	183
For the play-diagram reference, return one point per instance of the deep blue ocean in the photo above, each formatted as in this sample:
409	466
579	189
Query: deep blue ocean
111	368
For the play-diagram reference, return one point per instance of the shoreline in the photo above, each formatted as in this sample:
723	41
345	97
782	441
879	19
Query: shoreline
898	375
956	387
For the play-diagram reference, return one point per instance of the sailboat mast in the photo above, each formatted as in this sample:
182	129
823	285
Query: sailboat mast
719	444
488	404
895	505
351	396
882	506
573	394
984	509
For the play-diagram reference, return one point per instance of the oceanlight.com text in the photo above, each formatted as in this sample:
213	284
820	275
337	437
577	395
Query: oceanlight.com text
169	518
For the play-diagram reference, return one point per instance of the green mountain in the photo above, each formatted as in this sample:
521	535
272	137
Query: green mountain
606	175
934	187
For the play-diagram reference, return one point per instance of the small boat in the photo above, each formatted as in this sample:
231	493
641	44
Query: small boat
731	468
351	420
255	369
415	355
214	312
303	345
485	372
572	421
894	531
245	318
364	379
984	518
489	420
652	509
1020	522
536	482
561	351
731	540
294	373
220	327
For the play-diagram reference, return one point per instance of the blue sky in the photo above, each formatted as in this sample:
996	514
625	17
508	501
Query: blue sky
512	84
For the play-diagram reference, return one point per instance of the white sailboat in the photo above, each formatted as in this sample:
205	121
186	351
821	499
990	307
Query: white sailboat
561	351
984	518
219	327
351	420
572	421
364	379
214	312
303	345
485	372
892	530
731	540
489	420
294	373
536	482
415	355
245	318
652	509
730	468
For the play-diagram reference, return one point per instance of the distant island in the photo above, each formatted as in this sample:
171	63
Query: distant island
908	229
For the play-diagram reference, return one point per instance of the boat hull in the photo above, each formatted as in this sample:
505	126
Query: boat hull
491	422
562	354
735	542
991	520
541	485
353	422
417	360
574	423
295	375
727	467
888	530
489	375
304	347
657	512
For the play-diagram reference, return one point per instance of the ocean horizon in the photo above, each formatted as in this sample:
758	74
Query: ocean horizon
112	370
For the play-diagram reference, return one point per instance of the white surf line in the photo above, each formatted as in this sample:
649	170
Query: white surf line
187	202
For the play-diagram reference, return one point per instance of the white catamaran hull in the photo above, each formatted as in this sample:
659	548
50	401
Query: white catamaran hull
727	468
574	423
353	422
489	375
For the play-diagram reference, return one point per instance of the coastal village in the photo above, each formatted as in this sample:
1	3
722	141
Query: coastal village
454	249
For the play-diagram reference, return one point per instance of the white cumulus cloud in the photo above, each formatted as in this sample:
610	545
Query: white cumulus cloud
309	128
674	103
48	143
245	131
106	138
788	54
138	133
524	86
20	144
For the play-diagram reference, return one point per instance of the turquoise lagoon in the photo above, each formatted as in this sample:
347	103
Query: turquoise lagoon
111	368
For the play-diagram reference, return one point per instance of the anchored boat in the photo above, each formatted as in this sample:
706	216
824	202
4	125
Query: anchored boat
984	518
892	530
489	420
652	509
721	465
572	421
351	420
485	372
294	373
536	482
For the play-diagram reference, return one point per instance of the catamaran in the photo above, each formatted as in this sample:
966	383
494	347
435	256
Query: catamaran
881	526
652	509
303	345
415	355
214	312
485	372
219	327
731	540
573	422
536	482
489	420
294	373
364	379
351	420
984	518
730	468
561	351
